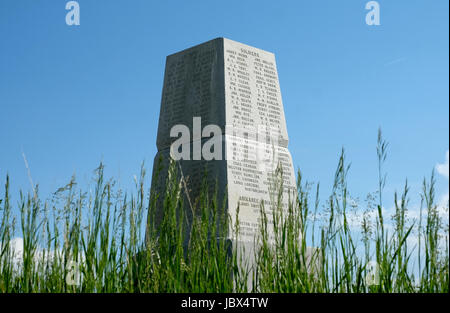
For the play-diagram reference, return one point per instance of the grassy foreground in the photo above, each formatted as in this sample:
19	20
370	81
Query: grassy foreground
82	242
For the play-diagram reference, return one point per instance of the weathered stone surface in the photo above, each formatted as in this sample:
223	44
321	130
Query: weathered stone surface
235	87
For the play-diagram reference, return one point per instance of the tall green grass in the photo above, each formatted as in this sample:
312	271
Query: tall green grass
112	240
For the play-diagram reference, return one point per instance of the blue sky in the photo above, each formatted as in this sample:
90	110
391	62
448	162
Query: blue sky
72	96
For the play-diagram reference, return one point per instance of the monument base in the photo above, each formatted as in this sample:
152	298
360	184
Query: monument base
247	257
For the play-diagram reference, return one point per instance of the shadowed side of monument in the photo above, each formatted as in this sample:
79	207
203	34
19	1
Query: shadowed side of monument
193	89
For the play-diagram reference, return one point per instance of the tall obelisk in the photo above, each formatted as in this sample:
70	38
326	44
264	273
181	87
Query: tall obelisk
226	95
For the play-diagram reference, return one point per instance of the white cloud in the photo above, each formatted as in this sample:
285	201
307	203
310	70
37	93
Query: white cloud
443	168
16	246
16	252
40	255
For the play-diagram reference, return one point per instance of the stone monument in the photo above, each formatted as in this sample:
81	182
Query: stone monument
221	111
